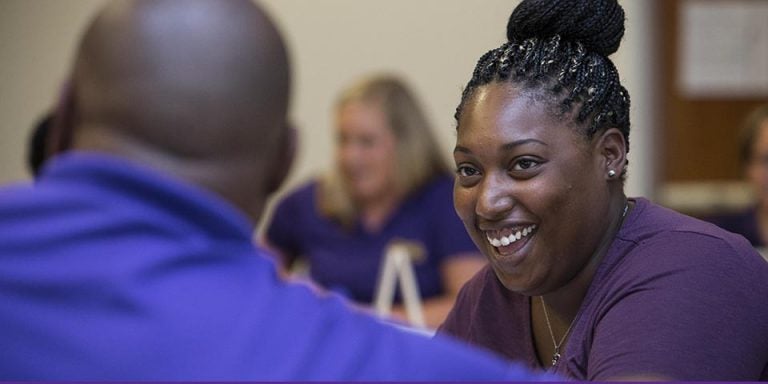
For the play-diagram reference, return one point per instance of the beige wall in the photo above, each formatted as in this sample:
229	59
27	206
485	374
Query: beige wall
37	38
432	43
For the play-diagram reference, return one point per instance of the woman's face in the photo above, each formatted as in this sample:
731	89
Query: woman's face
365	151
757	169
531	191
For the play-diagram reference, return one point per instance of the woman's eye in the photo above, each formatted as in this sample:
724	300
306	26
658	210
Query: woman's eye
524	164
466	171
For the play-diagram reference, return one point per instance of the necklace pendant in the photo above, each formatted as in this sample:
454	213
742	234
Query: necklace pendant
555	357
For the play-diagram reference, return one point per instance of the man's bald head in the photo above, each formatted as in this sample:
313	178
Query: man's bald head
198	88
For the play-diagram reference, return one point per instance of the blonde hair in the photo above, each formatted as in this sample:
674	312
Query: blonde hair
418	154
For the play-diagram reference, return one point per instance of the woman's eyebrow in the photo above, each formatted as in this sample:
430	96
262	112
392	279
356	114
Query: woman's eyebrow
506	146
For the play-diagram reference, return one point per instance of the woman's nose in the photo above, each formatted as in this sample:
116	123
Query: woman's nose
495	197
348	153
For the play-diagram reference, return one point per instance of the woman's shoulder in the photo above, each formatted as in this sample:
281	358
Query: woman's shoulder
661	242
650	223
680	259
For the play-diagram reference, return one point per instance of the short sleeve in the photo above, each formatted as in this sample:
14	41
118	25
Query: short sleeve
684	318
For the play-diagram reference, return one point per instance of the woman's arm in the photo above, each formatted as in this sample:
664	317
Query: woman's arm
455	270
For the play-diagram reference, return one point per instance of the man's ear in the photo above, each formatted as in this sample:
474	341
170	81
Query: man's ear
62	127
284	157
612	153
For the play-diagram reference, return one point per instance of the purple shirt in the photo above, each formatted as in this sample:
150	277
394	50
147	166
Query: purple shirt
674	296
347	261
110	271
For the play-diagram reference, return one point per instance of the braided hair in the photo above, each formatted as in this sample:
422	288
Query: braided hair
559	50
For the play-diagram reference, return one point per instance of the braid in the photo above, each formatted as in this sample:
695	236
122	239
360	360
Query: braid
564	56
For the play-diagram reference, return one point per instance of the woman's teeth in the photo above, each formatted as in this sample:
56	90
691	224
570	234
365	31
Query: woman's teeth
503	241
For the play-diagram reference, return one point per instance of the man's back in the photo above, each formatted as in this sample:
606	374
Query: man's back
111	271
131	256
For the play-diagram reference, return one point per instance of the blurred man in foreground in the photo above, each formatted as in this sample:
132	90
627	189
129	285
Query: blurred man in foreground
131	257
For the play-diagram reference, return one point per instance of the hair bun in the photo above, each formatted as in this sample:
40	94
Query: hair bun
597	24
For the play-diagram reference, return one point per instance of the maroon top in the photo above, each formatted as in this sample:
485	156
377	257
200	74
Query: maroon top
674	296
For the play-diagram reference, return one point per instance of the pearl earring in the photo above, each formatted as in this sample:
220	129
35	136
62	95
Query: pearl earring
611	173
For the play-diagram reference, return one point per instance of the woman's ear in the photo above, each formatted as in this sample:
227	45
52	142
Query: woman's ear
613	153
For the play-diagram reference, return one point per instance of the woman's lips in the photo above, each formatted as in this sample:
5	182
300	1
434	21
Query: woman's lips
505	237
507	243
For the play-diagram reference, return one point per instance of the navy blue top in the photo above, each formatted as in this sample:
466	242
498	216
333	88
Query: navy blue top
109	271
348	260
744	223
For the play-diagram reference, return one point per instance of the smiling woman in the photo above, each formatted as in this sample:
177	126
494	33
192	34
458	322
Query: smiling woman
581	279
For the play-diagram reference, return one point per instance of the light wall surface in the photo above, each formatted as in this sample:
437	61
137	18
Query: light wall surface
433	44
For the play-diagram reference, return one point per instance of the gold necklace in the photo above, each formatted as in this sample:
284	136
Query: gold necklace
556	353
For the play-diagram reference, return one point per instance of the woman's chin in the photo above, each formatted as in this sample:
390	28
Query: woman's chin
516	274
519	285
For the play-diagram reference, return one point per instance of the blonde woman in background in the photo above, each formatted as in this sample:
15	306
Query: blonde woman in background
390	183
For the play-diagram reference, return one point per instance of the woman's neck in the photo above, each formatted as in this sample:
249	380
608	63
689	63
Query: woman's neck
567	300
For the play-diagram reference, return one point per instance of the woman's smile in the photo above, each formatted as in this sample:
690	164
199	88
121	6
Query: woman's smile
507	236
510	244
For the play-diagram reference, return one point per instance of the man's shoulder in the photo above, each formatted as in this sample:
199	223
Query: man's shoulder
344	340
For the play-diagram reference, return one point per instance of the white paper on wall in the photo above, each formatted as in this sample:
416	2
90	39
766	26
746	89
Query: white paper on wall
723	48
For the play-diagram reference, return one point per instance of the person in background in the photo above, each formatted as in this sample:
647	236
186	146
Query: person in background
390	183
131	256
583	281
752	223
